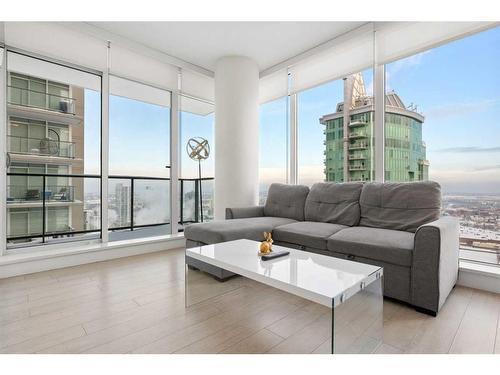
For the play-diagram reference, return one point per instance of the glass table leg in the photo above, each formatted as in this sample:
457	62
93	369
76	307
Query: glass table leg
357	324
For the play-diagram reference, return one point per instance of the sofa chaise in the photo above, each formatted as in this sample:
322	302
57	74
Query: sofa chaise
394	225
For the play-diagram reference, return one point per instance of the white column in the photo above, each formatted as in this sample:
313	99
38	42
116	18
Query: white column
236	133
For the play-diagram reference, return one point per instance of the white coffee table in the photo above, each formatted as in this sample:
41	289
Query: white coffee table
352	290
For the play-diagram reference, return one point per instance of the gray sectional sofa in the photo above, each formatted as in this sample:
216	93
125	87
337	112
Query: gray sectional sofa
393	225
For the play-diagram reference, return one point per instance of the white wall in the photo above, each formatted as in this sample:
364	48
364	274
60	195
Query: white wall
236	133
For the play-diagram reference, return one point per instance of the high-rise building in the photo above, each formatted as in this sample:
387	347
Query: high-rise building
45	135
122	203
350	136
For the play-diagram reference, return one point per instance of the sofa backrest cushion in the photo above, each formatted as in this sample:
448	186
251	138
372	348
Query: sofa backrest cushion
400	206
286	201
329	202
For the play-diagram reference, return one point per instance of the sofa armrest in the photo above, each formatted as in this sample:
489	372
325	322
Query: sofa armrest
244	212
435	263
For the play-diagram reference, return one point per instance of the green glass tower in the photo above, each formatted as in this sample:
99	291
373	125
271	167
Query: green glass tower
352	155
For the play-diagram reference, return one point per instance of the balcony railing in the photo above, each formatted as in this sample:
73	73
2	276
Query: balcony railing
127	201
128	198
195	204
356	123
358	146
357	157
33	194
38	99
355	135
43	194
41	147
357	168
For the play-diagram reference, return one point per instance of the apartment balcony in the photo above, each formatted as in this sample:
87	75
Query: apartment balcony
36	196
356	135
42	106
357	168
132	198
128	199
357	123
41	147
357	157
358	179
358	146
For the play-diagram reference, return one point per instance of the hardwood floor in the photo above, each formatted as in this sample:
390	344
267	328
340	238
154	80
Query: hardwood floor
136	305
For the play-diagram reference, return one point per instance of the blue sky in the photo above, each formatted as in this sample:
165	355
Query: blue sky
457	88
139	138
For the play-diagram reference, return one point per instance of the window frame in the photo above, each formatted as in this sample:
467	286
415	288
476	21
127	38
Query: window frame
5	125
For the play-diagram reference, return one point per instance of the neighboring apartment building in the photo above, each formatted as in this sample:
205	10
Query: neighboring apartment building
45	136
405	154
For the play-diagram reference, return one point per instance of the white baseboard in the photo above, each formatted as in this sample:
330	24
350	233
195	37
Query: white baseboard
479	276
45	260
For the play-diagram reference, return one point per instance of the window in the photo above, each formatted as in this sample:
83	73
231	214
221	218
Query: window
196	128
38	137
442	107
273	143
139	160
30	91
53	144
317	147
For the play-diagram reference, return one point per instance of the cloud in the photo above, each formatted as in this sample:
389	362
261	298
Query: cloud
486	168
459	109
467	181
469	149
409	62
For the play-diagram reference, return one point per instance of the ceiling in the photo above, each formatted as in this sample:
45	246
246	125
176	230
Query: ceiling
202	43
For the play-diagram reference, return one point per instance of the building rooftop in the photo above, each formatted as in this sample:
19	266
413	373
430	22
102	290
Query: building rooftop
362	102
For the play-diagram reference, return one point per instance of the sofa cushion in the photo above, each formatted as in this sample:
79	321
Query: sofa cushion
330	202
306	233
397	279
386	245
228	230
400	206
286	201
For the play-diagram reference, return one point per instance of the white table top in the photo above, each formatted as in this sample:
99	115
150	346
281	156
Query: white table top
320	278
